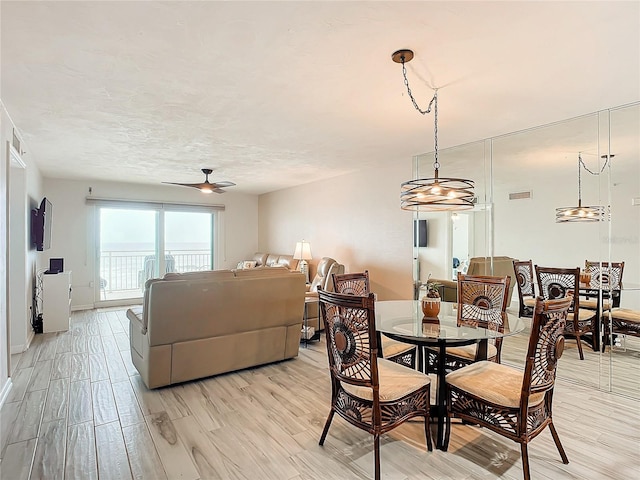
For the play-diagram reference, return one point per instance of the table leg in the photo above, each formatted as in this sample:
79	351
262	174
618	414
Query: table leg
441	396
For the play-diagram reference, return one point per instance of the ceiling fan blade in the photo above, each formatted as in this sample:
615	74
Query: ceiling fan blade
223	184
218	190
194	185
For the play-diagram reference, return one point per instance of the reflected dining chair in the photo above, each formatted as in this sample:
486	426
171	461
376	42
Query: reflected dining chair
557	283
482	302
526	287
608	277
358	284
508	401
371	393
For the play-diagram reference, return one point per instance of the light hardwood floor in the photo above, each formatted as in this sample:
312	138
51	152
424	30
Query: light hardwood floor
78	410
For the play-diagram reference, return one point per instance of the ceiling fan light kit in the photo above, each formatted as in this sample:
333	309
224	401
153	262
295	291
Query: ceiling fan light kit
206	186
435	193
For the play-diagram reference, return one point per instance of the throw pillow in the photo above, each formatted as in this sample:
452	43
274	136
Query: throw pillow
248	264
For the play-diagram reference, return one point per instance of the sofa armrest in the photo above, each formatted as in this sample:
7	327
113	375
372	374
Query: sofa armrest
135	314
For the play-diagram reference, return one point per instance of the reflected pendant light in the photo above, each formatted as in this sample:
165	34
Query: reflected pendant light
580	214
436	193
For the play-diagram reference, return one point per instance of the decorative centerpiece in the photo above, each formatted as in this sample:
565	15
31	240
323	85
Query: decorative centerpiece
431	300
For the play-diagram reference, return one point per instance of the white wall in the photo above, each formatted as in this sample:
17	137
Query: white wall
16	284
355	219
73	225
5	135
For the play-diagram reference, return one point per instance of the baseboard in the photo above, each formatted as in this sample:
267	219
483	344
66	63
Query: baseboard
75	308
4	393
23	347
17	349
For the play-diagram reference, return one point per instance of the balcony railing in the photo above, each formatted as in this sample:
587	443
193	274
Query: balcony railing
125	270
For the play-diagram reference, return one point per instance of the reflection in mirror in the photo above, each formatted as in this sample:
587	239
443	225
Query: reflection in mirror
521	178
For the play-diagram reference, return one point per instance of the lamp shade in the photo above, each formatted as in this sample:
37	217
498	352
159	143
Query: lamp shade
303	251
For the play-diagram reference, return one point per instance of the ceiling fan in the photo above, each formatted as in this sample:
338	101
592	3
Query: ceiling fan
206	186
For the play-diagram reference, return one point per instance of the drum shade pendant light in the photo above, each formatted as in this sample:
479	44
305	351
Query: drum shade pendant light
436	193
581	214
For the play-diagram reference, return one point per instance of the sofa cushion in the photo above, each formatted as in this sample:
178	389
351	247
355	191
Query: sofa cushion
204	275
262	271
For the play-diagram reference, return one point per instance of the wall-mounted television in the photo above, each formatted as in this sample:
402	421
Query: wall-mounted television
420	233
41	225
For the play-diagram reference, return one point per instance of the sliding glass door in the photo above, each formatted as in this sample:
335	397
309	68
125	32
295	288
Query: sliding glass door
140	242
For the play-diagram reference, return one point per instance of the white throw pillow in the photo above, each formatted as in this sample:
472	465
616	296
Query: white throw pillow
248	264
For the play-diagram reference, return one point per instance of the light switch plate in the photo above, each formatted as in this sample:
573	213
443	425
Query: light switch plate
635	201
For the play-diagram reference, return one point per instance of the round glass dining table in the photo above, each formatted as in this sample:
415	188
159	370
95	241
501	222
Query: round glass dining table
404	321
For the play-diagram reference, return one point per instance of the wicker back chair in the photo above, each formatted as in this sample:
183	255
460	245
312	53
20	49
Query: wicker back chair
557	283
526	287
482	301
370	393
510	402
607	276
358	284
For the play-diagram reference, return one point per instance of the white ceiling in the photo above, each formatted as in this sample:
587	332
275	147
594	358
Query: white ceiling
275	94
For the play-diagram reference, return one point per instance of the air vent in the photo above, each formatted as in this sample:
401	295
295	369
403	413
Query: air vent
520	195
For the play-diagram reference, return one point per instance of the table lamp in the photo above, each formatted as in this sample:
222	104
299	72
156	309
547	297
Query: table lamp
303	253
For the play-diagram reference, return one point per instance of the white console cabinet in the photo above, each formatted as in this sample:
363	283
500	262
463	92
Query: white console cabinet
56	302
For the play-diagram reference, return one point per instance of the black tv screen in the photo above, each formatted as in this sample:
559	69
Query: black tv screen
41	225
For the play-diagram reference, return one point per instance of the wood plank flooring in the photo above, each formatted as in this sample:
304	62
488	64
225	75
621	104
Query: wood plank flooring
79	410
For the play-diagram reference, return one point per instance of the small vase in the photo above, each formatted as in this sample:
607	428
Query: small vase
431	306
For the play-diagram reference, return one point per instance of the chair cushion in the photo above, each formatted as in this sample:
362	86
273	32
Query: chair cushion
493	382
529	302
395	381
592	304
468	352
626	315
391	348
585	314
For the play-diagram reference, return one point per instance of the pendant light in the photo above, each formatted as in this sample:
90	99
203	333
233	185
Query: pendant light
582	214
435	193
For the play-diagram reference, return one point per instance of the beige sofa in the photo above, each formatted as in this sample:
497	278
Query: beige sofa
199	324
274	260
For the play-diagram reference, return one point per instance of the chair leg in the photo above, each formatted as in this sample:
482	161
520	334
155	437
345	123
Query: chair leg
556	439
579	346
376	453
326	427
427	423
447	425
525	461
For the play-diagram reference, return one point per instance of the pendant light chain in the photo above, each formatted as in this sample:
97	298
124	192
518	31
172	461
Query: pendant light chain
434	103
593	173
579	180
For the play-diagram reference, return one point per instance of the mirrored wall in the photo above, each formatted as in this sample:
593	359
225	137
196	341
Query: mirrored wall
521	178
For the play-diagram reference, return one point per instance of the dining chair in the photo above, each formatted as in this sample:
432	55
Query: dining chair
482	302
508	401
358	284
526	287
371	393
557	283
608	277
